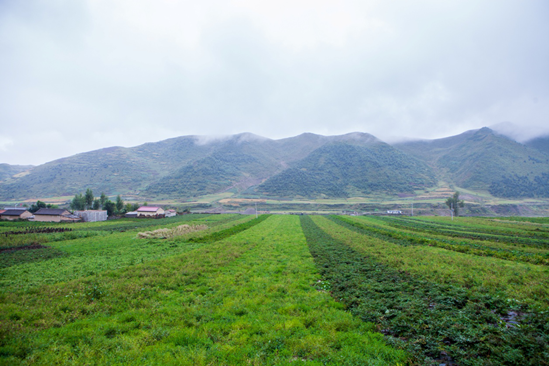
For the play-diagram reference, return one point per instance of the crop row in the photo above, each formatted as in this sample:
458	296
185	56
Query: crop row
70	259
477	226
403	238
485	225
220	235
122	225
539	240
14	241
442	322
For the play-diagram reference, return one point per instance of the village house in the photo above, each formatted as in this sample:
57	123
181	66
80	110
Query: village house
15	214
170	213
55	215
150	211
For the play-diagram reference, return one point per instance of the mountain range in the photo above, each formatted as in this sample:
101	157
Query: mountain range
304	166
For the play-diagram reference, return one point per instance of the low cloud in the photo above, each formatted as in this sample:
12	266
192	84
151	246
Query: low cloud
78	76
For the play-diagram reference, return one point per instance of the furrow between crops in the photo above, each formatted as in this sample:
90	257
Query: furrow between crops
436	322
404	238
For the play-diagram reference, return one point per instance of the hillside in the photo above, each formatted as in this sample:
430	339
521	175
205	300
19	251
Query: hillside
307	165
343	169
540	143
235	164
7	171
483	160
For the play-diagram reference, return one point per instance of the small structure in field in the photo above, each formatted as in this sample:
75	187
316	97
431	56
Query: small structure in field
55	215
170	233
15	214
394	212
150	211
170	213
92	215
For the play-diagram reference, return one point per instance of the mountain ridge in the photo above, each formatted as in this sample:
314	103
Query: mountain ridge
306	165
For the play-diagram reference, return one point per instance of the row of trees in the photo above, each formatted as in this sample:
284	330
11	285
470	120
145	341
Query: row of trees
87	201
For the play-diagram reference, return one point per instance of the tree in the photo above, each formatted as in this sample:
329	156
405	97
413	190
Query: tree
37	206
455	203
110	207
89	198
119	204
96	204
78	202
103	198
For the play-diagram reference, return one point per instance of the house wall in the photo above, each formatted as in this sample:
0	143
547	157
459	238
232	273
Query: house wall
47	218
160	211
10	218
24	215
92	215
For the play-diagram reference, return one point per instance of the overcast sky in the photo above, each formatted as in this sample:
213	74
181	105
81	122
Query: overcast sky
78	75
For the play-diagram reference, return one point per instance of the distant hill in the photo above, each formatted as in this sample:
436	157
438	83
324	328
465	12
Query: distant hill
307	165
343	169
539	143
112	170
482	160
8	171
242	162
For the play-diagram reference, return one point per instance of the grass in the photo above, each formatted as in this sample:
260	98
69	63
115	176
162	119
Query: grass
110	250
437	323
509	279
247	299
278	290
527	248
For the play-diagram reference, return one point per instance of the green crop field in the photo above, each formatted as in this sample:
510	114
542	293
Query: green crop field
276	290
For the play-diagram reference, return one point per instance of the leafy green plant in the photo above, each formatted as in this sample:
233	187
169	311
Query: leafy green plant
436	322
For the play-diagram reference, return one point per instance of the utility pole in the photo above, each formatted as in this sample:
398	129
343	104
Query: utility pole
412	208
452	210
256	209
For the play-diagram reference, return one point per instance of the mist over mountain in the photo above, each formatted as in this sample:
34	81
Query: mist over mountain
307	165
540	143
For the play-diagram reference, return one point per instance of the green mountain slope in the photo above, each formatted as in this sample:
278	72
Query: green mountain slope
481	160
164	168
307	165
232	165
111	170
7	171
350	168
539	143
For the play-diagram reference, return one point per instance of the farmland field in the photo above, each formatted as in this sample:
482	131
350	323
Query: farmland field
276	289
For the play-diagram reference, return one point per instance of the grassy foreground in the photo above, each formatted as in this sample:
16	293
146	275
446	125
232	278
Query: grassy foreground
439	322
276	290
246	299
